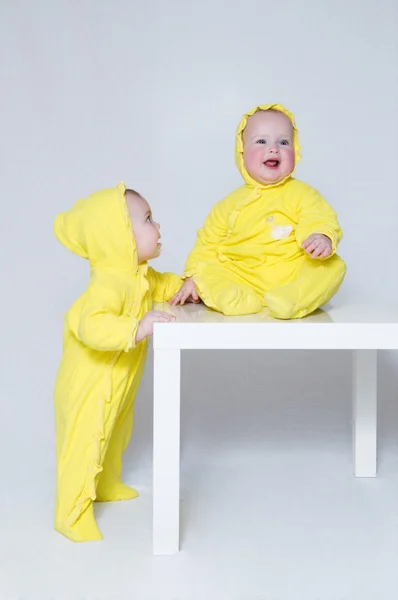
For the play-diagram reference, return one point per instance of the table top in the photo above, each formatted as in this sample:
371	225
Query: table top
339	326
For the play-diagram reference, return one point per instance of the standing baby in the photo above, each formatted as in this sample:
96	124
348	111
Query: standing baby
105	342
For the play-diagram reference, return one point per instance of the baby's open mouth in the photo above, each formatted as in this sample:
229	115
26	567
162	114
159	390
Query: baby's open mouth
272	164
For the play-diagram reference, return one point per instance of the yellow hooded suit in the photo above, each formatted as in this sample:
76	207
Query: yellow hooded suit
248	255
101	364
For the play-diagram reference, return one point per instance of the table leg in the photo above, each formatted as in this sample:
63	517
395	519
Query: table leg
166	451
365	412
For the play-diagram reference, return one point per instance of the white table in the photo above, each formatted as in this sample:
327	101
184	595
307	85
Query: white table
360	329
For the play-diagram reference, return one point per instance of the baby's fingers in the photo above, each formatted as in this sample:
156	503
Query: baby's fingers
313	246
327	252
307	242
175	299
184	296
318	251
161	317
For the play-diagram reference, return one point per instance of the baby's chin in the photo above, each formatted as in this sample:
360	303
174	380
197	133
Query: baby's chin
268	176
270	180
158	251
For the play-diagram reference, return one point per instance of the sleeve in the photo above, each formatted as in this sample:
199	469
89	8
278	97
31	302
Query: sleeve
97	321
208	237
316	216
163	286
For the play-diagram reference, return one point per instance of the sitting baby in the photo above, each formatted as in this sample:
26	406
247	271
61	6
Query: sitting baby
272	242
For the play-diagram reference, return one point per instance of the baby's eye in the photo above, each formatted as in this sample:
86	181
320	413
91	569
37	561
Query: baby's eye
149	219
262	141
284	143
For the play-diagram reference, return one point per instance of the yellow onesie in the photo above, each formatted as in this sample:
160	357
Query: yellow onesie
248	255
101	365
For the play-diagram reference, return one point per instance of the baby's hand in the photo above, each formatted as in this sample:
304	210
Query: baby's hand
186	293
145	326
318	245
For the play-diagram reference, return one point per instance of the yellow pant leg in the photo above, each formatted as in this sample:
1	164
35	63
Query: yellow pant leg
90	406
79	439
110	486
223	291
315	282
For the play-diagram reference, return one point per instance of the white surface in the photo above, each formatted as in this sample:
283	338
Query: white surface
282	500
166	453
151	92
344	327
365	412
255	333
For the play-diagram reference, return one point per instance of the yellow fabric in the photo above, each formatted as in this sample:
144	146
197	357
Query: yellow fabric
249	250
101	364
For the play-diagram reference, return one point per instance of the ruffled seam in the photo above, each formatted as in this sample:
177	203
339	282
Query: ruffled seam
88	493
132	246
253	195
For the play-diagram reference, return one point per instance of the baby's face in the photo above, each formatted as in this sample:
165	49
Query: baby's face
268	151
146	231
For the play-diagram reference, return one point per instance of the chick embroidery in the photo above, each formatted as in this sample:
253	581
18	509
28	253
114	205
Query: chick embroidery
279	232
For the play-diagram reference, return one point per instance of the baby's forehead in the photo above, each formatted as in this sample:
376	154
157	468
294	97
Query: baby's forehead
137	205
263	119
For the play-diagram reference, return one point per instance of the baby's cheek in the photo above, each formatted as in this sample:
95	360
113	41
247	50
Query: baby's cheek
253	156
289	159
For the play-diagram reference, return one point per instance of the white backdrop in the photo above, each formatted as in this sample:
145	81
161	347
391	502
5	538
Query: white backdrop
151	93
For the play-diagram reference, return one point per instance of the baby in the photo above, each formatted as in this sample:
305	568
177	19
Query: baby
272	242
105	343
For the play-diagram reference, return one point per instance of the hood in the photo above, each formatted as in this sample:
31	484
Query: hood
98	228
239	143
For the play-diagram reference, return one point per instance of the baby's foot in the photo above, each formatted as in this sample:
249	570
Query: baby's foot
112	492
283	302
84	530
237	300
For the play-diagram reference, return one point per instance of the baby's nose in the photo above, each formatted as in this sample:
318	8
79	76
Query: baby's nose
274	150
